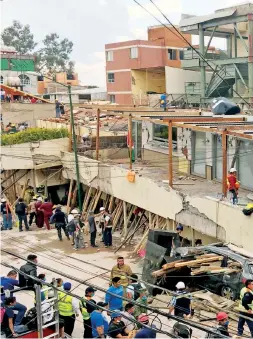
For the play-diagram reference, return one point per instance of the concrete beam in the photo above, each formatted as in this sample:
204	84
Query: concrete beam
225	21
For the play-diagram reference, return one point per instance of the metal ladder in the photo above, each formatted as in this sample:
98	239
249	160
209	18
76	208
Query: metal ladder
54	303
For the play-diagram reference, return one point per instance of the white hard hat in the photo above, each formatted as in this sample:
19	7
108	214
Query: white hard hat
74	211
3	200
39	199
180	285
101	209
232	170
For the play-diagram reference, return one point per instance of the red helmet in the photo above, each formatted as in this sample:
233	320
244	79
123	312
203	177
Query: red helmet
221	316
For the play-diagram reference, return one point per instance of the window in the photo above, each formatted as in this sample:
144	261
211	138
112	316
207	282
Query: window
181	55
112	98
24	79
109	55
110	77
133	52
160	133
172	54
1	79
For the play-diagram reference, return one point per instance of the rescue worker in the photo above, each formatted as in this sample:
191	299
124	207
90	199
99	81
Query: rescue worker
233	185
59	218
177	241
246	307
68	308
181	302
223	323
86	309
121	270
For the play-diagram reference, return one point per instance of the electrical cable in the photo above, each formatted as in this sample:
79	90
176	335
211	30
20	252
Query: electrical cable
188	43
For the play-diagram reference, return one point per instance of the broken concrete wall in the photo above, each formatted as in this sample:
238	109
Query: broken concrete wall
211	217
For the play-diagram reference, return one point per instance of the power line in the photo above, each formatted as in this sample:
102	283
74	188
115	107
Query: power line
185	40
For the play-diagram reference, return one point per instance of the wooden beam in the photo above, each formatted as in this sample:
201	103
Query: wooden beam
224	163
69	195
170	154
125	218
198	119
240	135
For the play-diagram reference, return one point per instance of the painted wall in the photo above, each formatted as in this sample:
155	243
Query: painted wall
144	81
31	88
176	78
26	156
209	216
122	82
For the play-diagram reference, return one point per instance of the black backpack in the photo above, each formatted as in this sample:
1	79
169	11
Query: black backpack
19	208
71	226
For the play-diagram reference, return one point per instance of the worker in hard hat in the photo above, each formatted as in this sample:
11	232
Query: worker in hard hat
233	185
223	322
32	210
181	302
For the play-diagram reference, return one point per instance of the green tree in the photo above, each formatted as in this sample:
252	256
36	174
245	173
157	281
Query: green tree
54	56
20	37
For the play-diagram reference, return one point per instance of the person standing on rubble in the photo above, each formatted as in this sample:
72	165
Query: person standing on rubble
32	210
59	218
177	240
47	209
6	214
57	109
246	308
181	302
93	229
108	229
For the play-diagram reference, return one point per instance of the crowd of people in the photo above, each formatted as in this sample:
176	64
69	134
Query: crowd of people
111	317
12	128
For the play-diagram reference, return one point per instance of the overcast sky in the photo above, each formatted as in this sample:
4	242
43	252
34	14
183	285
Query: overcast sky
90	24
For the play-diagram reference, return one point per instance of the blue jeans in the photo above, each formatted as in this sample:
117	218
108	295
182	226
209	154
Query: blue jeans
21	312
7	220
242	321
22	218
20	328
58	112
108	236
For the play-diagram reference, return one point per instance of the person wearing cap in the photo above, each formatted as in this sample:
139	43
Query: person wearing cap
87	306
222	328
233	184
6	214
39	213
177	240
68	308
143	300
99	321
117	328
115	302
181	302
128	320
59	218
145	332
121	270
93	229
32	210
246	307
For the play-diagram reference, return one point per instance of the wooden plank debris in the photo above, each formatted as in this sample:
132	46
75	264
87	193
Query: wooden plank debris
198	261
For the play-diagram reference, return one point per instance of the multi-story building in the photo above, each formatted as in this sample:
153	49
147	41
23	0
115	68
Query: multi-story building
140	67
47	86
17	70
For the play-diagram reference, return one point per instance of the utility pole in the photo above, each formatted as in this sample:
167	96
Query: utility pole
75	150
97	135
130	135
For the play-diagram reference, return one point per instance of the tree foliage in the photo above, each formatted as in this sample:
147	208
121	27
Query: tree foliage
34	134
20	37
54	55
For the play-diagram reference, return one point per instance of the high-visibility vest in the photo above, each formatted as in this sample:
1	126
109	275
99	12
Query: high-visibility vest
243	291
83	309
65	304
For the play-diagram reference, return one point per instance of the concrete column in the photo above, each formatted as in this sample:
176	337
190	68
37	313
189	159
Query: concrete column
193	236
250	57
34	182
202	63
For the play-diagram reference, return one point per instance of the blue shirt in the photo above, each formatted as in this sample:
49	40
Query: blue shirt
8	284
115	303
98	319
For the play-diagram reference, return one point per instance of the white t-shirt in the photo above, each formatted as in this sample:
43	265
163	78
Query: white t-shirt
128	323
130	289
70	217
107	219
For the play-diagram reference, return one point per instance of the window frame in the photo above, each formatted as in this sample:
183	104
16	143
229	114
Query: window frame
24	80
110	97
111	81
174	134
181	53
135	48
108	54
172	54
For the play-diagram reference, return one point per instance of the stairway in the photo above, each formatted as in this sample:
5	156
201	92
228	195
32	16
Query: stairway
221	82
